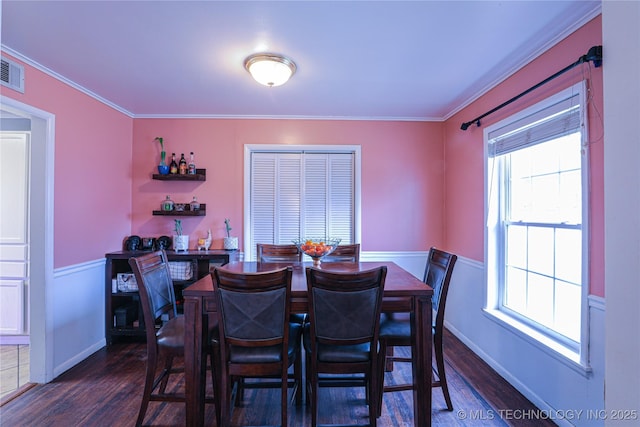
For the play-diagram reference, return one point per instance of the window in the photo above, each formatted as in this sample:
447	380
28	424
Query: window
297	193
536	215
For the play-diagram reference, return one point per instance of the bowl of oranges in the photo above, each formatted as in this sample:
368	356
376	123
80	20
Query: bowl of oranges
317	248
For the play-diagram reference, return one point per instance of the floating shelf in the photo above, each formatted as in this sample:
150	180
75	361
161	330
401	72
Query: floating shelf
200	212
201	175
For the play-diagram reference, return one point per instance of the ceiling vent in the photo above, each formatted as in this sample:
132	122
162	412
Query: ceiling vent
12	74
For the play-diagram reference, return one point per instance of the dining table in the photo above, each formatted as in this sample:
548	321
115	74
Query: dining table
403	292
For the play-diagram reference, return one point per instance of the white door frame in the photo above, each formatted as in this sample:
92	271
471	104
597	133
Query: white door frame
41	227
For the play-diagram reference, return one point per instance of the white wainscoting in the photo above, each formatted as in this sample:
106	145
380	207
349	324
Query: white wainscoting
565	394
553	386
78	313
413	262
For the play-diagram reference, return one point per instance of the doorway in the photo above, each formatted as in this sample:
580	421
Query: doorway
39	223
14	254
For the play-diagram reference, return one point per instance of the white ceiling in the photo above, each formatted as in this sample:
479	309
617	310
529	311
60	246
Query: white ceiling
384	60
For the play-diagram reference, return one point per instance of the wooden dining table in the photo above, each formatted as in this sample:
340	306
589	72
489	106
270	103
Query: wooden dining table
403	292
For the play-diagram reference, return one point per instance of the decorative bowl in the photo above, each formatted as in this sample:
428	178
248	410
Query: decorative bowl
317	248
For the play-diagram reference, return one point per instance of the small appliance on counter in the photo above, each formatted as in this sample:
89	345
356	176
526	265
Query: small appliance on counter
137	243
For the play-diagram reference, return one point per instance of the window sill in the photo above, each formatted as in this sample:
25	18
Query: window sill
567	356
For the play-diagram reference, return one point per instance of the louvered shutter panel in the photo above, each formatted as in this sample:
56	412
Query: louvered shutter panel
263	198
295	195
341	197
315	195
288	191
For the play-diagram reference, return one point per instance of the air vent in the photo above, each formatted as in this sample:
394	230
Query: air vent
12	74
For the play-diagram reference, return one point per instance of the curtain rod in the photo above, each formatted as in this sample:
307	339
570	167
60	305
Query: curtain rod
594	54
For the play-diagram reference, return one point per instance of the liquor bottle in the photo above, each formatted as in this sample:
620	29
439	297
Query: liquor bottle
167	205
192	165
173	166
195	204
182	165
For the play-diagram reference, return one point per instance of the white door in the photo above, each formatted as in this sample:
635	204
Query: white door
14	232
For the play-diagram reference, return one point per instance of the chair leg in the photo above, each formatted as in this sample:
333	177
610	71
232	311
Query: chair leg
313	397
168	363
284	397
389	359
297	374
148	387
372	393
437	344
239	391
216	390
382	363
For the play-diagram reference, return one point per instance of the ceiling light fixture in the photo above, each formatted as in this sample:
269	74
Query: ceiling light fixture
270	69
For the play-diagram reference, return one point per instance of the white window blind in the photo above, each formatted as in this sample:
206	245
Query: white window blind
552	122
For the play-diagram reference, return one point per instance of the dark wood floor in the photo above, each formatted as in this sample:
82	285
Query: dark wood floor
105	390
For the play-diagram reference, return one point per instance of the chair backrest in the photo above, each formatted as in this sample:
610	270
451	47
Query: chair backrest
344	307
253	307
438	275
155	287
344	253
278	253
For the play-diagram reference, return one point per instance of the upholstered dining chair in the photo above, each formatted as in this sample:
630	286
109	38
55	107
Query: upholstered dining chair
163	326
395	330
283	253
256	340
277	253
344	253
342	334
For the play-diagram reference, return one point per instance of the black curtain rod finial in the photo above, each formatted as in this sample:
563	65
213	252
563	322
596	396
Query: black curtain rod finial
594	54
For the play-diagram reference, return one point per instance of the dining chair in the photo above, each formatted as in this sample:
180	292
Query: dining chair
344	253
341	337
164	328
266	252
395	329
256	340
283	253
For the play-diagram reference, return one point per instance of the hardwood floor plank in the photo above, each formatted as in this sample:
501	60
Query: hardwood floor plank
106	388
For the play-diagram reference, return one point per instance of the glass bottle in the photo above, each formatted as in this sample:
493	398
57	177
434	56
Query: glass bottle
167	204
182	166
173	166
195	204
192	165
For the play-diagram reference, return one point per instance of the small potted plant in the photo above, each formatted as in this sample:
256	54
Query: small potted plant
163	167
180	241
230	243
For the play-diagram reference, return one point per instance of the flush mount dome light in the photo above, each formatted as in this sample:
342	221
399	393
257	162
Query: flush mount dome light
270	69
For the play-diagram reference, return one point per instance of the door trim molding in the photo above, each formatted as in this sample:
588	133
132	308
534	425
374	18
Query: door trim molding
41	228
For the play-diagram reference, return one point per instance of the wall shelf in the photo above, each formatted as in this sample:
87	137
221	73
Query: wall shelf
201	175
200	212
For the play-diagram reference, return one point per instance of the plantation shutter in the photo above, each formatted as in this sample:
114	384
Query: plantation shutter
296	195
329	196
275	197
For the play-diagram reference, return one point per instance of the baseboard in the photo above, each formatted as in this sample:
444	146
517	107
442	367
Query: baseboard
70	363
14	340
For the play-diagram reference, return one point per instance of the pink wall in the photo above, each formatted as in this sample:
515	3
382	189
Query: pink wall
92	190
104	161
402	173
464	184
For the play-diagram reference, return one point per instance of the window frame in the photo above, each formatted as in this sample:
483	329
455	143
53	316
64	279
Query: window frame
576	357
249	149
